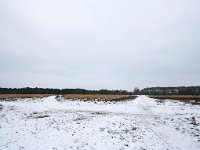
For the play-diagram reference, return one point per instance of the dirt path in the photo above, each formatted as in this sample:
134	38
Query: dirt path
167	135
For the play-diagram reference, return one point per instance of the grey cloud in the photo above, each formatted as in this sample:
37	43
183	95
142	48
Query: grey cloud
99	44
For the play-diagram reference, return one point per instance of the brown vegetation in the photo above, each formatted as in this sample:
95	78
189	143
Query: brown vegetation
100	97
8	96
176	97
104	97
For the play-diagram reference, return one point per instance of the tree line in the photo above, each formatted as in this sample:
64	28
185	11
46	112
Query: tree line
28	90
189	90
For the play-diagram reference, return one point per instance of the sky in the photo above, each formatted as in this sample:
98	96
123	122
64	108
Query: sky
106	44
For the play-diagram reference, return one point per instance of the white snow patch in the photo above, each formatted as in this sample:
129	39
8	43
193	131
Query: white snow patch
142	123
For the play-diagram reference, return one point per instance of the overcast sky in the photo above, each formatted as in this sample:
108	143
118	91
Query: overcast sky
114	44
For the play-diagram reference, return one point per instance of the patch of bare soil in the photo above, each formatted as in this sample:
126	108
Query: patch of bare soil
37	115
1	107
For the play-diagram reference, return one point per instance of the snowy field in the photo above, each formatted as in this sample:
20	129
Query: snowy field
140	124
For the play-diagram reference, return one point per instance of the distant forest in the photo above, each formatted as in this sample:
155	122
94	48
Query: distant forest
28	90
190	90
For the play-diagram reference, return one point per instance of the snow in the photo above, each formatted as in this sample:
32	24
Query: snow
143	123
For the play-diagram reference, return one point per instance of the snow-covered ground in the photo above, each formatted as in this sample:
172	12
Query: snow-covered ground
143	123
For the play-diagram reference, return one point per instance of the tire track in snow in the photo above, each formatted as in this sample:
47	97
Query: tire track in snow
172	138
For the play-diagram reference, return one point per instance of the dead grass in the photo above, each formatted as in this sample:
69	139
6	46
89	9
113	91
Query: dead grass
99	97
176	97
8	96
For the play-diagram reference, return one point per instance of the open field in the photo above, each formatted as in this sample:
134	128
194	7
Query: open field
138	124
100	97
176	97
9	96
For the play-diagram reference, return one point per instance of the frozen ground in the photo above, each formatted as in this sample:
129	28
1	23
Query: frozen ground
143	123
